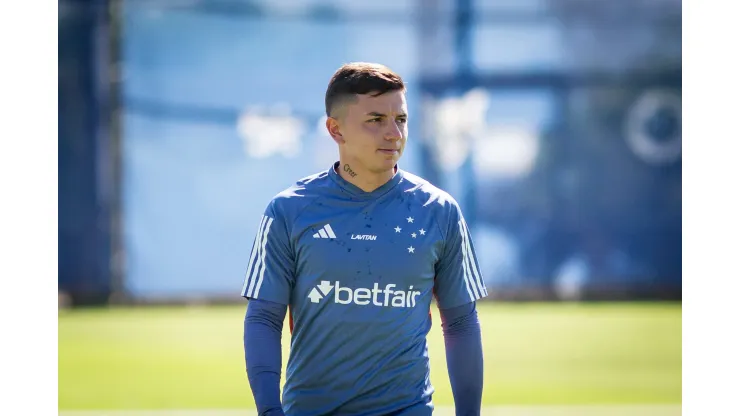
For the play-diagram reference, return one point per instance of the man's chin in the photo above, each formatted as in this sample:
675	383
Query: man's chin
382	166
388	164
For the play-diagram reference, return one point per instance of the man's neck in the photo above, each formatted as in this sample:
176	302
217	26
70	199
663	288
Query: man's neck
366	181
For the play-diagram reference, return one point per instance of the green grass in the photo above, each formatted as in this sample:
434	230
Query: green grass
190	358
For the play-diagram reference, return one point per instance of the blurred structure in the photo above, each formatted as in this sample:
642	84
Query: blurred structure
556	124
88	192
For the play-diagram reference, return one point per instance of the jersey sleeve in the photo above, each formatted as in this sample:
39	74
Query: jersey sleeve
457	274
270	271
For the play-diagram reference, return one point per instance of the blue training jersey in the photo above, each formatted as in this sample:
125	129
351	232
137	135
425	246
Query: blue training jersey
358	271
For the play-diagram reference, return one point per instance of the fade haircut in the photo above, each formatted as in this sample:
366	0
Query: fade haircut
360	78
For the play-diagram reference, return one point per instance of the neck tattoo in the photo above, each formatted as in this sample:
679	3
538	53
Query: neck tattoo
349	171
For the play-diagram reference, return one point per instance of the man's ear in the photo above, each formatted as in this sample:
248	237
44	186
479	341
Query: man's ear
332	126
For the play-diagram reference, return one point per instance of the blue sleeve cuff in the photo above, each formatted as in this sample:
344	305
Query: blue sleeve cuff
464	351
263	326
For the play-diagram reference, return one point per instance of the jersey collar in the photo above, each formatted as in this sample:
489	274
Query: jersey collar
358	193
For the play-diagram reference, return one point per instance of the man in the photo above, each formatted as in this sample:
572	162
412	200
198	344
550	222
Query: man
356	254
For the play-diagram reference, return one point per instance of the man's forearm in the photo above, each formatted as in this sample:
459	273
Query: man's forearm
263	353
464	351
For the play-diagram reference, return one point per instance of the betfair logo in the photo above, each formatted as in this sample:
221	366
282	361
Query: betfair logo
376	296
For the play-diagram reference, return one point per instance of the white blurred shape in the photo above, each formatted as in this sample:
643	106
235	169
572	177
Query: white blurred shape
324	147
570	278
506	151
453	122
276	133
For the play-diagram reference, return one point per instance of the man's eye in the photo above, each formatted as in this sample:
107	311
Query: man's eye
402	120
374	120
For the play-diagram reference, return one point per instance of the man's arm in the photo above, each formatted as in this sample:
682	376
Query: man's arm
263	326
458	284
464	351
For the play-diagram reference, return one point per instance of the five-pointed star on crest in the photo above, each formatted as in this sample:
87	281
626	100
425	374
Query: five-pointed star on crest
413	235
422	232
411	249
410	219
398	229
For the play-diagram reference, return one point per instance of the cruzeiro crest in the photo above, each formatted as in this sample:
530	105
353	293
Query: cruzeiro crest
412	232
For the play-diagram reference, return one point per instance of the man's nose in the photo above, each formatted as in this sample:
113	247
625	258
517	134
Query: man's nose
394	132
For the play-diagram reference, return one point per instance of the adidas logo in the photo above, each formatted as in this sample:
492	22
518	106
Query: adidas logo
325	232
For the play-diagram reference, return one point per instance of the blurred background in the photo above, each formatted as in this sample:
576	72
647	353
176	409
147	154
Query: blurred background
555	123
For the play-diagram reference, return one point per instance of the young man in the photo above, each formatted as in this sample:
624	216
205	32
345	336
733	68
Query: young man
356	253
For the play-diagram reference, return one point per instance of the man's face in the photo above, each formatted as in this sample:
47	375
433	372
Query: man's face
372	131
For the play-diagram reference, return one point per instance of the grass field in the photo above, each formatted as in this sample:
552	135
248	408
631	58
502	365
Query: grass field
535	354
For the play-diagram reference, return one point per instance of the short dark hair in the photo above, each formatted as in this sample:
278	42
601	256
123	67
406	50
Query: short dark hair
360	78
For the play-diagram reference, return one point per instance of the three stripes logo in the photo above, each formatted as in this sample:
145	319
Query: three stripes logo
325	232
473	282
256	265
